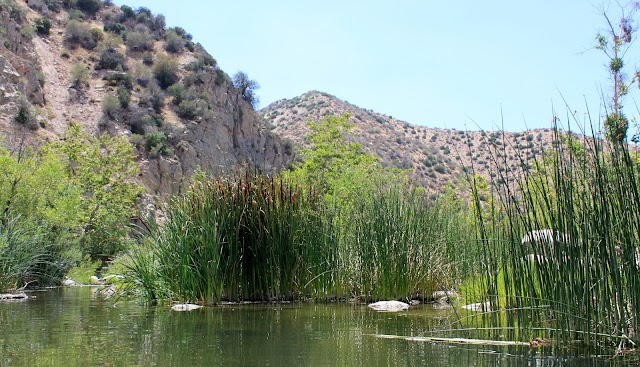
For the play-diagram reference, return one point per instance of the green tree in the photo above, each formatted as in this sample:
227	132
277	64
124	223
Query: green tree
103	169
247	87
339	169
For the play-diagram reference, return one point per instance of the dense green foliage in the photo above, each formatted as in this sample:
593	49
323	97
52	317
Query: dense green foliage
70	198
339	225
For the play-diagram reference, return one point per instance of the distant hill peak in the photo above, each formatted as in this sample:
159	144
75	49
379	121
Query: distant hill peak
435	156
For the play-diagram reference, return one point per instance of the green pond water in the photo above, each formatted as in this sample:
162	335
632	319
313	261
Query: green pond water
74	327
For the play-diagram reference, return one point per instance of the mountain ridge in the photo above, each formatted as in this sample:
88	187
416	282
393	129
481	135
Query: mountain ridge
436	156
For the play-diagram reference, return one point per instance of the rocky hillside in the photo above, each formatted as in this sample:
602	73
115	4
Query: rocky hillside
435	156
120	70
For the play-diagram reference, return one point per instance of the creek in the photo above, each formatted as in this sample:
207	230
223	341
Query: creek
76	327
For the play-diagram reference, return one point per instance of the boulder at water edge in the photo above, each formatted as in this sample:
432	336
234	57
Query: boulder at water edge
70	283
13	296
389	306
185	307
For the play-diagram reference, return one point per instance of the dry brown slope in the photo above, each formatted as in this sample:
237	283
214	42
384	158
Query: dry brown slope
435	156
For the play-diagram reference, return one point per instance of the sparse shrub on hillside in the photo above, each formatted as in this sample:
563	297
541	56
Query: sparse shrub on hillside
123	97
182	32
42	25
88	6
144	15
75	14
137	140
138	120
158	24
53	5
127	13
80	34
155	142
79	76
111	58
142	75
118	78
110	40
25	115
116	28
153	97
188	109
166	71
111	107
27	31
178	92
189	45
139	41
97	34
221	77
173	42
147	58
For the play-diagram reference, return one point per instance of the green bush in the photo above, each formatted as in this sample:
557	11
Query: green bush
25	115
78	33
79	75
111	59
117	78
42	25
123	97
127	12
155	143
116	28
139	120
188	109
139	41
88	6
153	96
221	77
166	71
178	92
173	42
147	59
111	107
30	254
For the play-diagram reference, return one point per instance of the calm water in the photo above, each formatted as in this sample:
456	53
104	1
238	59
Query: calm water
72	327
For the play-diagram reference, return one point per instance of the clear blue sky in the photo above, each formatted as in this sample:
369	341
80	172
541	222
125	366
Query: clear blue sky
447	64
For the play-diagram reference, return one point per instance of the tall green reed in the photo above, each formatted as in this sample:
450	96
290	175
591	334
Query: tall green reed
580	285
236	238
29	254
256	238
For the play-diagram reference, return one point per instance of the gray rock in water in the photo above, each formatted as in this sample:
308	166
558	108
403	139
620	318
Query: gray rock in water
13	296
70	283
185	307
389	306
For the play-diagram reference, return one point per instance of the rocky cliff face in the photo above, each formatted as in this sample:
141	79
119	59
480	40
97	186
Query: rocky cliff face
220	135
231	137
20	76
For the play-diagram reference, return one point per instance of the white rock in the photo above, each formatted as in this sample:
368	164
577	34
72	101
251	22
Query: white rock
70	283
389	306
185	307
